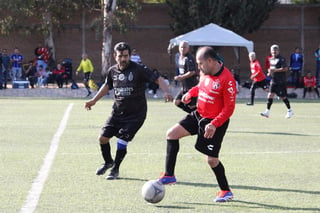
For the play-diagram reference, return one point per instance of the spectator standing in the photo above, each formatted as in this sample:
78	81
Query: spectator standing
31	74
87	68
310	84
257	76
216	104
42	55
60	74
278	86
296	63
6	65
187	76
135	57
16	64
127	79
317	55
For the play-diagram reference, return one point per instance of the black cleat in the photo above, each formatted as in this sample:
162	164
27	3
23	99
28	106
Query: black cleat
114	174
101	170
249	104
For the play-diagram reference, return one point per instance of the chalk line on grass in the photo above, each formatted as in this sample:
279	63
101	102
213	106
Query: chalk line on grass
38	183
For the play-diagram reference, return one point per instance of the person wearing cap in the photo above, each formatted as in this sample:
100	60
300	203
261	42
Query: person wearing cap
257	76
278	86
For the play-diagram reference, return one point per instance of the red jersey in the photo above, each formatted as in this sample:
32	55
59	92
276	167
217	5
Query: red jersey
309	82
267	62
216	96
257	71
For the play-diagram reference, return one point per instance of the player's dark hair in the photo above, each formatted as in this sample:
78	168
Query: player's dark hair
121	46
209	53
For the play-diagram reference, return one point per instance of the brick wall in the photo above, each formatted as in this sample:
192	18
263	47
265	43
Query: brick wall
151	35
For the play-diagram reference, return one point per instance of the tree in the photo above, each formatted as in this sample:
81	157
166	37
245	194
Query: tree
48	16
116	13
240	16
39	16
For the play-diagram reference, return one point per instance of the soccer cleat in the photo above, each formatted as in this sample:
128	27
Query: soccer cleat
101	170
166	180
223	196
289	113
114	174
249	104
265	114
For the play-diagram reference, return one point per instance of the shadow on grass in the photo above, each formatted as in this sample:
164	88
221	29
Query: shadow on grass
268	206
238	203
270	133
257	188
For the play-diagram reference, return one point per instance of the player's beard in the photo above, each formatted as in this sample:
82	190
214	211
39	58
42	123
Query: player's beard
123	65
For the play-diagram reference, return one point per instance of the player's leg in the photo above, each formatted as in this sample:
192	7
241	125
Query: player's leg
106	155
125	133
187	126
107	132
252	93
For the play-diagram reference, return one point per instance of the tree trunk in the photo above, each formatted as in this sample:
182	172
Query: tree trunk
108	9
49	42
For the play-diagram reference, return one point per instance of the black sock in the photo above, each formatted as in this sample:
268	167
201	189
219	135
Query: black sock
171	158
106	153
121	153
221	177
269	103
286	102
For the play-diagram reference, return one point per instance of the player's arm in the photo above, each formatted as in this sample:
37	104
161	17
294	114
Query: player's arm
165	88
101	93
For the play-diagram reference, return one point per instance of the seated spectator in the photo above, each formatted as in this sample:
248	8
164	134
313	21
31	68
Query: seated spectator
31	74
154	86
42	76
310	84
60	75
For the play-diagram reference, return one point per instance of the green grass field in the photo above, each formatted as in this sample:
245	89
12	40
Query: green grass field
273	165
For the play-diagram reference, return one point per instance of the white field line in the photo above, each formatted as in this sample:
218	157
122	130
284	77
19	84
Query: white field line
38	183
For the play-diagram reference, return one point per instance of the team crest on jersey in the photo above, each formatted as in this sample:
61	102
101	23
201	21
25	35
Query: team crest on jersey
215	85
121	77
130	77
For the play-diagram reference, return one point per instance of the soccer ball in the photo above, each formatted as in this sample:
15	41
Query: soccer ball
153	191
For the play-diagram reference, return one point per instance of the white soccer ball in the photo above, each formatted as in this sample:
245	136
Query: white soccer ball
153	191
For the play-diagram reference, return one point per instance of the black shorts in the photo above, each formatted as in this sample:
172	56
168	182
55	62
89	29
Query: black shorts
262	84
279	89
123	129
195	124
87	76
193	101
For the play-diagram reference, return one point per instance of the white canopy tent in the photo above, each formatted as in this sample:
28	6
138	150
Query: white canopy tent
212	35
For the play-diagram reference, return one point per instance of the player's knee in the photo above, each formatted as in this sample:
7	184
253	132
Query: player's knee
103	140
121	144
213	162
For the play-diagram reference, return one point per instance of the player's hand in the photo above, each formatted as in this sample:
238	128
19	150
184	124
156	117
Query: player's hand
168	97
209	130
89	104
186	98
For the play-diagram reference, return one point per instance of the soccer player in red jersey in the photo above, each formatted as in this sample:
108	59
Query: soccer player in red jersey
310	84
257	76
216	94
